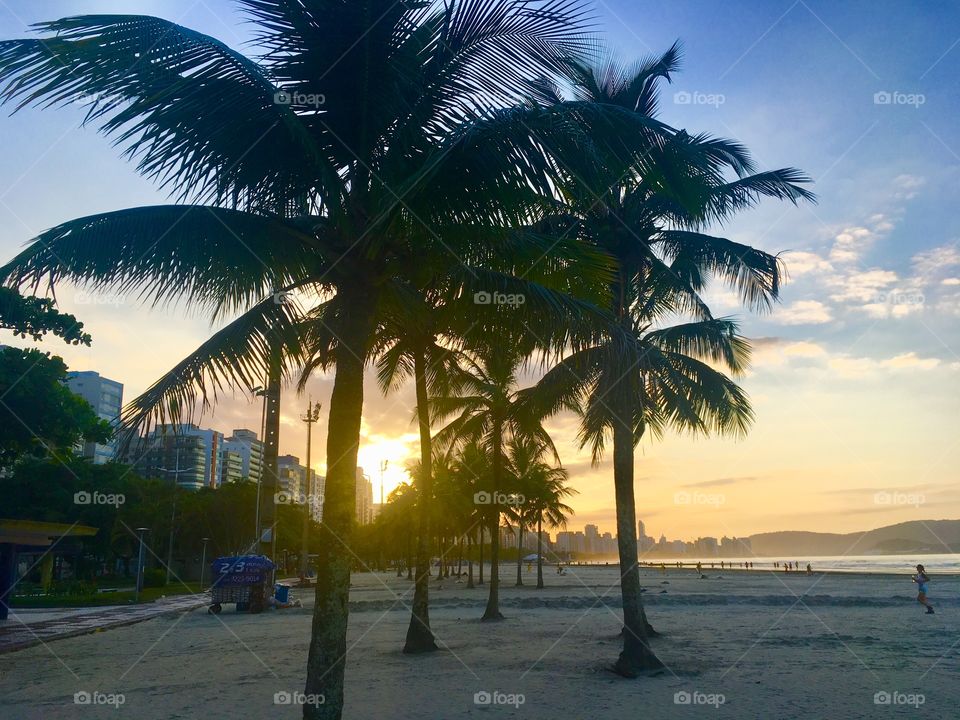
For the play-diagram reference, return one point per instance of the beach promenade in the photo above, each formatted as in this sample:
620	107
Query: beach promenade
27	627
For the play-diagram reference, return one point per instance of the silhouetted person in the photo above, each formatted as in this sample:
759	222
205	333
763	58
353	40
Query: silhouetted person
922	580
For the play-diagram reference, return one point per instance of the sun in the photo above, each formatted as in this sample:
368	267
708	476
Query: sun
397	452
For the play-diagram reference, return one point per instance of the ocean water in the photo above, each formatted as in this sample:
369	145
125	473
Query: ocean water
944	563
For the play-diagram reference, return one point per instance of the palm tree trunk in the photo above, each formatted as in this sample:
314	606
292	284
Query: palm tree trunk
419	636
492	611
409	558
636	656
469	560
460	557
328	640
519	554
540	551
480	581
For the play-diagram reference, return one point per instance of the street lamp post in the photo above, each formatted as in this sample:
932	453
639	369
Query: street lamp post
203	561
139	587
173	513
312	415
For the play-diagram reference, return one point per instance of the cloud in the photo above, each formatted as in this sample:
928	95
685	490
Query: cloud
950	282
803	312
775	352
801	262
859	368
908	186
721	481
862	286
850	244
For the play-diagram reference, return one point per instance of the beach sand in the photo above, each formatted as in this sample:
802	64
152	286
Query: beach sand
766	645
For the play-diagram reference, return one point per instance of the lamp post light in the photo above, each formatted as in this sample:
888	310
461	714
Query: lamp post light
203	561
312	415
140	532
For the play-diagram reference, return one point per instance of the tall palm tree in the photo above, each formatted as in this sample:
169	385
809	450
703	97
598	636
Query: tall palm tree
490	411
331	160
544	487
651	223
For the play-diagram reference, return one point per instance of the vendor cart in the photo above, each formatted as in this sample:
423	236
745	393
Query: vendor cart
246	580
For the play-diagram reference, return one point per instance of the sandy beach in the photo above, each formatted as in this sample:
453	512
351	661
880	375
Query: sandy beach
735	645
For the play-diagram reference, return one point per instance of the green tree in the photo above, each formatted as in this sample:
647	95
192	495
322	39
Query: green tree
39	415
34	317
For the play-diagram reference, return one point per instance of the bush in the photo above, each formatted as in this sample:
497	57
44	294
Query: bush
154	578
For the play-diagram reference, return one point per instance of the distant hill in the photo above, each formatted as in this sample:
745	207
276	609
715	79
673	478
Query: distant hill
934	536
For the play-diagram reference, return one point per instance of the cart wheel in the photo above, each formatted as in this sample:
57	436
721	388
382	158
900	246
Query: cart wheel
215	608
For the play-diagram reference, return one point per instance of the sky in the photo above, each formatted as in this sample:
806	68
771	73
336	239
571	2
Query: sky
856	373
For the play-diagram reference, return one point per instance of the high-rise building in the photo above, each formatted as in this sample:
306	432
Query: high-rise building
231	464
292	477
173	457
591	535
106	398
364	495
250	448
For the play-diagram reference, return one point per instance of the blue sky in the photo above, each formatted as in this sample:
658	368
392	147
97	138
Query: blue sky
857	373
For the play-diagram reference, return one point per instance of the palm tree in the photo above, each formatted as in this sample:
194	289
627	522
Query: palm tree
490	411
544	488
470	473
640	378
336	160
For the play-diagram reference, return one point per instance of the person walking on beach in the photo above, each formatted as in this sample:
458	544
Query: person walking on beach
922	579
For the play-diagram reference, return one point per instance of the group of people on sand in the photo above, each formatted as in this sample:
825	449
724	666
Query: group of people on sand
792	567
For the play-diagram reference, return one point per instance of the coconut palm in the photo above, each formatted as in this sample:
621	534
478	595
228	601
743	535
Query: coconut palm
541	487
490	411
544	488
640	378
